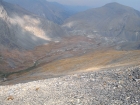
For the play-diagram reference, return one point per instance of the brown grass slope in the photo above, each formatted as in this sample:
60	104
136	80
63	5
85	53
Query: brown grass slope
94	60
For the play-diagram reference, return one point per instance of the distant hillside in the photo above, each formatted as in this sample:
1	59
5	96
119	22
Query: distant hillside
51	10
111	20
22	29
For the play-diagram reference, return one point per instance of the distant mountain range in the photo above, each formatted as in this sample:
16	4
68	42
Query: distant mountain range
52	11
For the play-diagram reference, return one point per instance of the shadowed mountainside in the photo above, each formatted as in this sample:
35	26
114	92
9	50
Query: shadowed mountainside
50	10
22	29
111	20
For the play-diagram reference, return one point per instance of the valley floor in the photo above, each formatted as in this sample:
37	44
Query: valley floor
111	86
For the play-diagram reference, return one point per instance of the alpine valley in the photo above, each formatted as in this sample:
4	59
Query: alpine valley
48	47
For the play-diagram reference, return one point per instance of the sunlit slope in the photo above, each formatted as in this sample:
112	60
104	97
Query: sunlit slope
97	59
88	62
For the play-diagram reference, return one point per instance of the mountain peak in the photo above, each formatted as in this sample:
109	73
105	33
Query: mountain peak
115	5
111	20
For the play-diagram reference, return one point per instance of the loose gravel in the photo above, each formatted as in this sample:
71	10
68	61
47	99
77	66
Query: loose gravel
116	86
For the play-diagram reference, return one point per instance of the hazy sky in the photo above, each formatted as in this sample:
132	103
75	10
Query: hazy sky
97	3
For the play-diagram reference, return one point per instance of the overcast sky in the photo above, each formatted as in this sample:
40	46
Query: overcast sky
97	3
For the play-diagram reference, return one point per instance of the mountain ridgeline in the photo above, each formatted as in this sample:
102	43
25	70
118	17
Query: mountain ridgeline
52	11
111	20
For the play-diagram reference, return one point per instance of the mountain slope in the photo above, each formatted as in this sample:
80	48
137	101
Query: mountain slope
21	29
45	9
111	20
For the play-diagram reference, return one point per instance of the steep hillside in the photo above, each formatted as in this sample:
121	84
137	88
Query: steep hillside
111	20
15	60
53	11
54	66
45	9
70	55
21	29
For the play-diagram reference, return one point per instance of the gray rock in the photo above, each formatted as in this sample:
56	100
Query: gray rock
104	87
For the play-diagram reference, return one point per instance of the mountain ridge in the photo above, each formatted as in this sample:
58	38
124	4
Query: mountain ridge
22	28
121	21
50	10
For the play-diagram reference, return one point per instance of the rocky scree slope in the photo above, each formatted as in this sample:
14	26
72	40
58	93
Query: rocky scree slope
114	86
